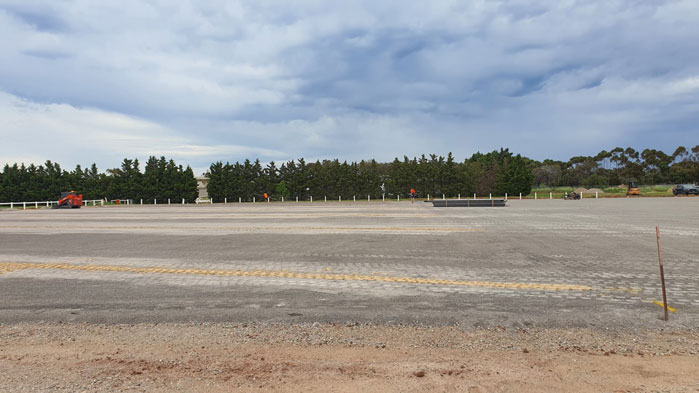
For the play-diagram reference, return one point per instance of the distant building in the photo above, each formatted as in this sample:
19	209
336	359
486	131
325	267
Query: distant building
202	181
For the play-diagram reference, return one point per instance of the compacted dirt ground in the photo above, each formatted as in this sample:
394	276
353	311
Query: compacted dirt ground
350	357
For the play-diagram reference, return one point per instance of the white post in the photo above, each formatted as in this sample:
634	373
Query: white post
282	199
505	196
102	202
168	201
141	201
398	198
211	201
36	205
240	200
474	195
443	196
326	198
297	199
11	205
354	198
368	198
581	196
253	199
490	195
596	196
459	196
93	202
155	201
428	197
550	195
24	205
339	198
225	200
183	201
47	203
267	199
520	196
534	195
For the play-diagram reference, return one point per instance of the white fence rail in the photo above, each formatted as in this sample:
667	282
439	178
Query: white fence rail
38	204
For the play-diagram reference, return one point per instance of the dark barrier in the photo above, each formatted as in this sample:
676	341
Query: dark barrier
468	203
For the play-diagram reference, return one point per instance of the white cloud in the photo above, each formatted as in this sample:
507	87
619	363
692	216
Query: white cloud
227	80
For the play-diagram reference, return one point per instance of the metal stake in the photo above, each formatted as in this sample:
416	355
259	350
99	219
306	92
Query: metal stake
662	274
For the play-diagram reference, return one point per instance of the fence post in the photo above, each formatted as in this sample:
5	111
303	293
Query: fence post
240	200
534	195
253	199
282	199
168	201
368	198
459	197
312	198
520	196
428	197
490	195
581	196
550	195
24	205
443	196
596	196
383	197
505	196
339	198
102	202
183	201
47	203
354	198
474	195
297	199
225	200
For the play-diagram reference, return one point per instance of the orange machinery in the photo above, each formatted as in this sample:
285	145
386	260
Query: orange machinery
69	200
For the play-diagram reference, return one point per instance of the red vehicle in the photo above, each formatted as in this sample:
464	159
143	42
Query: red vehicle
69	200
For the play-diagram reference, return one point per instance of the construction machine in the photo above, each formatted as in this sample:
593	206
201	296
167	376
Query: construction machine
69	200
633	189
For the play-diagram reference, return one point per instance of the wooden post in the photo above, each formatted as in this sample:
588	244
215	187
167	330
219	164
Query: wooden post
662	274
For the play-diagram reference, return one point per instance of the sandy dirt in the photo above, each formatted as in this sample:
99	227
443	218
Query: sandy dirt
342	358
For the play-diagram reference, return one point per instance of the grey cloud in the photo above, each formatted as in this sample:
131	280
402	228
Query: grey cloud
368	79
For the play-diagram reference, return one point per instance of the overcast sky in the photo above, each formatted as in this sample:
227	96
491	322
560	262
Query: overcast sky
95	81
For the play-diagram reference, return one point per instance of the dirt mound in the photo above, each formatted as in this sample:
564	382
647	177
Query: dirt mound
594	190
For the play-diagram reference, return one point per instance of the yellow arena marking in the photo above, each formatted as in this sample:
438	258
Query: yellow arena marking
661	304
252	229
10	266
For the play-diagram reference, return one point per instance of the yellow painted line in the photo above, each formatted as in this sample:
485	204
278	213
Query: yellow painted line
250	229
661	304
288	274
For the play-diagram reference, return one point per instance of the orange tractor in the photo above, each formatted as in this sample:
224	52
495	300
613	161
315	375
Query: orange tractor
633	189
69	200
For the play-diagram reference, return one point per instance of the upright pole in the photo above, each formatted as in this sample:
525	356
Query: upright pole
505	196
297	199
534	195
520	196
240	199
428	197
168	201
398	198
368	198
443	196
490	195
662	274
253	199
474	195
225	200
550	195
354	198
459	197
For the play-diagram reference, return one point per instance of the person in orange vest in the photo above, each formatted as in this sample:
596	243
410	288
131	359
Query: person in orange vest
412	195
266	197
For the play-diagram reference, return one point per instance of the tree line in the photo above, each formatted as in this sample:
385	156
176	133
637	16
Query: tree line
497	172
619	166
161	179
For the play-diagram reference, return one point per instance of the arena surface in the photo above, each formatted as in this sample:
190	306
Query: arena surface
546	263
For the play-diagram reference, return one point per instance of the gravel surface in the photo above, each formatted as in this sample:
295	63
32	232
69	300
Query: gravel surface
38	357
